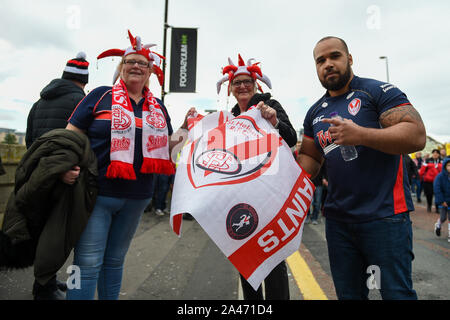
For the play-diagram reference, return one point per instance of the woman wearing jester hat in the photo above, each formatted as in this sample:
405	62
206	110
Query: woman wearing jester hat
243	84
129	131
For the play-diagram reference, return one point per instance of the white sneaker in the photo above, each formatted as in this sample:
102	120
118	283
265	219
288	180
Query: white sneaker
159	212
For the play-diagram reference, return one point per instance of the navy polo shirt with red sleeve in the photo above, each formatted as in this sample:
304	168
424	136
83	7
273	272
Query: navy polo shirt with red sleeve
93	115
374	185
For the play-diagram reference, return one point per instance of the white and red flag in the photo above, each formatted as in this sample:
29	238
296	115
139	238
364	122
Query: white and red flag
239	180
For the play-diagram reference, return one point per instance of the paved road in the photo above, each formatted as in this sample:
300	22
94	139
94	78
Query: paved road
432	257
161	266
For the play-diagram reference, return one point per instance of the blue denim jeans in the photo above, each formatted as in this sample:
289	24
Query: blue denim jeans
161	185
384	243
100	252
416	187
444	214
316	205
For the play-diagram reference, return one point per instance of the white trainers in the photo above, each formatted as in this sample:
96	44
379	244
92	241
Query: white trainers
159	212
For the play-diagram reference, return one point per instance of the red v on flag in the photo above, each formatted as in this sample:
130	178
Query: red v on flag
267	144
216	140
253	148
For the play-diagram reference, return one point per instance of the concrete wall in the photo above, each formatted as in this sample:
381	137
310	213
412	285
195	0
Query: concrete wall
11	155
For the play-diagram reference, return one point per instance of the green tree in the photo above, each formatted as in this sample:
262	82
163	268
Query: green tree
10	139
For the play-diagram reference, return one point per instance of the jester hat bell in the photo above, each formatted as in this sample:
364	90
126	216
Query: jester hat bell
252	69
137	48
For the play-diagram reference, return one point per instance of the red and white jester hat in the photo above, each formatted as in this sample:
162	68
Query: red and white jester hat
252	69
137	48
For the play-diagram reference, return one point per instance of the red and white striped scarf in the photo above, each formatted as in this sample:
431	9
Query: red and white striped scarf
155	136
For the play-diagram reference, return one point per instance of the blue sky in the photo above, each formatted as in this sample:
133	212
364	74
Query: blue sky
42	35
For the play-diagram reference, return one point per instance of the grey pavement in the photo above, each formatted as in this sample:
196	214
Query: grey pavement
159	266
162	266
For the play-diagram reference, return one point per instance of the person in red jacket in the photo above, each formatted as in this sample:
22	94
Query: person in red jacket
428	172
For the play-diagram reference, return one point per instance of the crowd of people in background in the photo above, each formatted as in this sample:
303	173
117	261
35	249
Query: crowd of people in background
422	172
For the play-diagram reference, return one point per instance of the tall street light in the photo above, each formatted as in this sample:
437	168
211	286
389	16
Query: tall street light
387	68
166	26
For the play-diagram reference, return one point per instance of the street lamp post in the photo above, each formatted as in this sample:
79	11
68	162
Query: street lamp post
166	26
387	67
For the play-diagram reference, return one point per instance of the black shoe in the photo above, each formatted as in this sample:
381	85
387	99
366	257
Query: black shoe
437	230
429	208
61	285
187	216
50	295
47	292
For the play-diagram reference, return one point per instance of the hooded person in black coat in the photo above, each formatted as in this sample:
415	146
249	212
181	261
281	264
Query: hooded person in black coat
58	100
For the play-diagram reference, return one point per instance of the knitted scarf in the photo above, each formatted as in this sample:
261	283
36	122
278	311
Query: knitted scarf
155	137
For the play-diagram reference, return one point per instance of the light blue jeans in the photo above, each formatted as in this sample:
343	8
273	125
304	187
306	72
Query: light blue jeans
100	252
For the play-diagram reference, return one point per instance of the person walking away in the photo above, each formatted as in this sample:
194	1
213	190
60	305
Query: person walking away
412	171
442	193
2	169
57	101
162	186
368	228
429	171
316	206
417	182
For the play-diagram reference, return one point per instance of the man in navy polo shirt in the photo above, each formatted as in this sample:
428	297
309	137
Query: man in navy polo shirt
368	228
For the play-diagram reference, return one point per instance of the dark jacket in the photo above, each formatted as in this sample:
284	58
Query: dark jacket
413	172
44	217
287	132
58	100
318	180
441	185
2	169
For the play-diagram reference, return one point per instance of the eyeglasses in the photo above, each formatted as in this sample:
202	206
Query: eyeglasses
132	62
246	83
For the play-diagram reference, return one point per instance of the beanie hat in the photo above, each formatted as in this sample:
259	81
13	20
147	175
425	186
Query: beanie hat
77	69
137	47
252	69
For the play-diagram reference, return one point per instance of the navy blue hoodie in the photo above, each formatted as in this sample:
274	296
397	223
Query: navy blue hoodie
442	185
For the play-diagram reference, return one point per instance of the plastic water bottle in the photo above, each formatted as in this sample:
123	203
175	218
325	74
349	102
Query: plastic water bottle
348	152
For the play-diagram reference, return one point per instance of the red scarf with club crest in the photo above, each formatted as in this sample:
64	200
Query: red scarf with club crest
155	136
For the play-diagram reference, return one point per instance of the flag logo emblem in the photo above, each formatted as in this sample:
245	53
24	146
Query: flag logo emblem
220	161
247	153
242	221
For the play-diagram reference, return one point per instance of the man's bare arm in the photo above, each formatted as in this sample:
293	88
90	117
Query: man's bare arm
402	132
309	157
